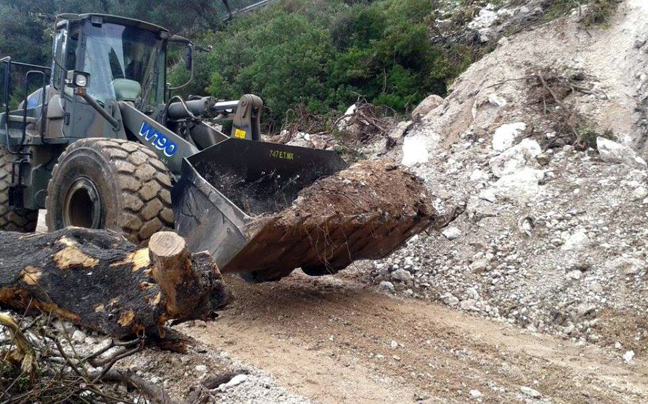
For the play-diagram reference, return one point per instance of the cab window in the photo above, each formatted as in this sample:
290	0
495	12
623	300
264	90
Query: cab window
58	68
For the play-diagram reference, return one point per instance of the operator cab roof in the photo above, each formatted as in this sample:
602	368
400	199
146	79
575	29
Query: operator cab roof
106	18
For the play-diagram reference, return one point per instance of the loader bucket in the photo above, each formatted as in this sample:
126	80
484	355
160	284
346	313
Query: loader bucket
233	200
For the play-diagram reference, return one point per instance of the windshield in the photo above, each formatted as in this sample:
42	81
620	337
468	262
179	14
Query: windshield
121	52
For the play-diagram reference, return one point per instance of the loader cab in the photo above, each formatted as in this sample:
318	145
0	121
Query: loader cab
124	60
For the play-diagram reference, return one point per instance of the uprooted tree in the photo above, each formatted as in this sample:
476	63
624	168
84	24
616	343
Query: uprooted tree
100	281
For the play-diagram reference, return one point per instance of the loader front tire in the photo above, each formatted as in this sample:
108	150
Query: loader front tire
12	219
110	184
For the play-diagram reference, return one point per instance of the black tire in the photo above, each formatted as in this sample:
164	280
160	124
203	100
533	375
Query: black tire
20	220
110	184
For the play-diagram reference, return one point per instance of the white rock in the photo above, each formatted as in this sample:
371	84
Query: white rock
351	110
478	265
521	186
388	286
596	287
585	309
415	151
575	275
427	105
451	233
483	22
401	275
475	394
496	100
488	195
627	266
400	129
479	175
472	293
628	356
577	241
344	123
515	158
78	336
468	304
235	381
506	135
201	368
613	152
450	299
300	139
484	19
639	193
530	392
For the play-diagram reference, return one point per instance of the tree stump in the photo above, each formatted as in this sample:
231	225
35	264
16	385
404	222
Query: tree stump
99	280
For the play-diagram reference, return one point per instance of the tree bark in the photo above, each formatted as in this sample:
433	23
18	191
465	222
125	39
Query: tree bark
99	280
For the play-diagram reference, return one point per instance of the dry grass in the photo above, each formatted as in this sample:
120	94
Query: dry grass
550	89
35	366
591	12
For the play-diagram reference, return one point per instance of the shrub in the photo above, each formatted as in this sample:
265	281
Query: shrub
325	54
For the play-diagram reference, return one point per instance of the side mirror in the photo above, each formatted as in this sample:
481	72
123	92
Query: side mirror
188	58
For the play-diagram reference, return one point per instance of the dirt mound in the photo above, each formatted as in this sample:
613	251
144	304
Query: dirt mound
368	187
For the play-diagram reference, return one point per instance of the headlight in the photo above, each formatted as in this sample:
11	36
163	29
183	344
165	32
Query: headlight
80	80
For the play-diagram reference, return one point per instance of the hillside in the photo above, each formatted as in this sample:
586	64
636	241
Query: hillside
551	236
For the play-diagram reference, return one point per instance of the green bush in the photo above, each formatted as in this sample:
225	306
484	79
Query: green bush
325	54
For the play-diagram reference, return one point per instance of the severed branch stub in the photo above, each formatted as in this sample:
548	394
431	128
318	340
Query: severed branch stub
171	269
99	280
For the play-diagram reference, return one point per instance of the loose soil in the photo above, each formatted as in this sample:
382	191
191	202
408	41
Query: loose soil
332	340
367	187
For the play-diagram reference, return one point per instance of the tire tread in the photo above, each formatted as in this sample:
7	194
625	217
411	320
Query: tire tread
126	158
19	220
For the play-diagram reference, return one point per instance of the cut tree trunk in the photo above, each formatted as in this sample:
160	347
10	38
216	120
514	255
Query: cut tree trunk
99	280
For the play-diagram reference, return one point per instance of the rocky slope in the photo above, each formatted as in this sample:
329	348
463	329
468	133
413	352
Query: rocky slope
553	233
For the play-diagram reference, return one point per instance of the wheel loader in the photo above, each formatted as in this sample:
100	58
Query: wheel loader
103	144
